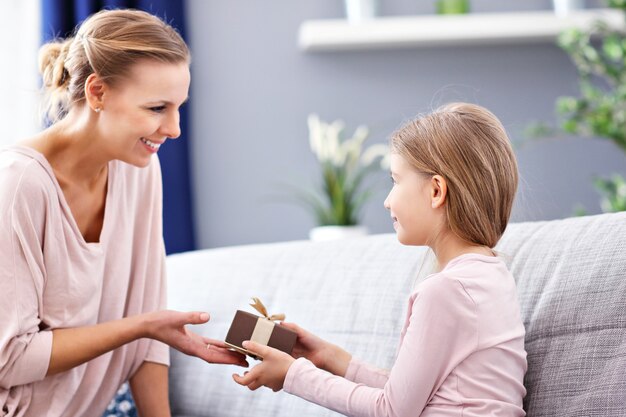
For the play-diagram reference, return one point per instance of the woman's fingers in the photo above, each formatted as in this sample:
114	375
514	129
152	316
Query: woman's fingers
215	354
196	317
214	342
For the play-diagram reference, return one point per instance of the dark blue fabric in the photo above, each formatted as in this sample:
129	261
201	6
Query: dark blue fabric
59	18
122	405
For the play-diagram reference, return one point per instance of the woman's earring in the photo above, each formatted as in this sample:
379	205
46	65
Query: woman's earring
97	109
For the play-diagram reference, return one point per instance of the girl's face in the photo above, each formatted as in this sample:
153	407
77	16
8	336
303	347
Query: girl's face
410	204
142	112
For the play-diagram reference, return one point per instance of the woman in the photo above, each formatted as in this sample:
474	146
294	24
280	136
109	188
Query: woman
82	275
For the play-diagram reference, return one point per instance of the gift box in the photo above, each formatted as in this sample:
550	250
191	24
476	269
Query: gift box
262	330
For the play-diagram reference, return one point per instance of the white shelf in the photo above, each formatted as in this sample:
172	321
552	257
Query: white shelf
438	30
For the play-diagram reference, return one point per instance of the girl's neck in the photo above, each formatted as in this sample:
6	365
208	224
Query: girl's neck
450	246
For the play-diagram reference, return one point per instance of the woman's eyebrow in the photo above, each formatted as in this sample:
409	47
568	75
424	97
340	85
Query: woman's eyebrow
167	102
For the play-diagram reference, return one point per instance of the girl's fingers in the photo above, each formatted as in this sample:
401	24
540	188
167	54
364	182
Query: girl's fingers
293	327
246	379
256	348
254	385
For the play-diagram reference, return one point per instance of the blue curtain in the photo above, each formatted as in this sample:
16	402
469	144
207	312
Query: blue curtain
59	18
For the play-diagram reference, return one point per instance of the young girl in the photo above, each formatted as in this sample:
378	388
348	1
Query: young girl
462	345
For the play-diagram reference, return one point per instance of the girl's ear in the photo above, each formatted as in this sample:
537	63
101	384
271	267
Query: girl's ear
438	191
94	92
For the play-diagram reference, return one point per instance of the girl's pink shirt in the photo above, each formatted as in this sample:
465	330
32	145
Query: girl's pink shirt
461	353
51	278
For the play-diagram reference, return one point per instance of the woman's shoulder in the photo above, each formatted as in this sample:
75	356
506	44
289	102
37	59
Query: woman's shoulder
26	188
25	169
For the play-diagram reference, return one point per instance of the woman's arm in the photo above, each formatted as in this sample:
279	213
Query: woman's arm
75	346
149	386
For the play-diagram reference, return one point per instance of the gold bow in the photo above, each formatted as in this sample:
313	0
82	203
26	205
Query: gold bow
258	306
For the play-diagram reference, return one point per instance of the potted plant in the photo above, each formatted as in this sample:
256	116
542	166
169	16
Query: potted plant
600	111
344	166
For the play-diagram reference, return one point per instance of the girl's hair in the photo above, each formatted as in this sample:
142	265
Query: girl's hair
108	44
468	146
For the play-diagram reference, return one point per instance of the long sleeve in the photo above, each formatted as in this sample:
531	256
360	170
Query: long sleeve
364	373
24	349
440	333
51	278
158	352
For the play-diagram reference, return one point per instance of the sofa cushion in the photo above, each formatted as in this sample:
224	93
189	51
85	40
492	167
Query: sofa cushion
571	279
352	292
572	288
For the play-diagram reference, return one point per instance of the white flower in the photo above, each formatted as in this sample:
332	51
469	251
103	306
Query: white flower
125	406
315	133
376	151
324	138
344	168
331	140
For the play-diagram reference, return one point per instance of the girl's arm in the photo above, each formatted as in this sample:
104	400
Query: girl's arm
323	354
441	332
75	346
332	358
149	386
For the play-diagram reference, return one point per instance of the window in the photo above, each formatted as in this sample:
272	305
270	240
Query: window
19	78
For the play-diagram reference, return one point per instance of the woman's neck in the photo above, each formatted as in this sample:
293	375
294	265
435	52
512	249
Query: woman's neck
73	149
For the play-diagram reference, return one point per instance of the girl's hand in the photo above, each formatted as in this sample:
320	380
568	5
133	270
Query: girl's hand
270	373
169	327
321	353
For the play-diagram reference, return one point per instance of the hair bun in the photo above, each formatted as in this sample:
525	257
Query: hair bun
52	64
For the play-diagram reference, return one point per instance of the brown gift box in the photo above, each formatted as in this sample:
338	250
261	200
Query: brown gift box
247	326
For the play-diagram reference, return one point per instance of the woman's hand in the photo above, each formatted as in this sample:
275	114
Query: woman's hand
169	327
74	346
270	373
321	353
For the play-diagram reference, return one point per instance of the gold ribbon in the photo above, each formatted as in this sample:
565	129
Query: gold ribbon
258	306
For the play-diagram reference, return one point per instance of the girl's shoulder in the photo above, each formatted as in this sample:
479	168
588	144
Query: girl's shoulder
472	278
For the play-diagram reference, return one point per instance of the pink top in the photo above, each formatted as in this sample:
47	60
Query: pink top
461	353
51	278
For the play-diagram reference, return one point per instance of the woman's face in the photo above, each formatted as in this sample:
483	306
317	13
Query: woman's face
409	203
141	112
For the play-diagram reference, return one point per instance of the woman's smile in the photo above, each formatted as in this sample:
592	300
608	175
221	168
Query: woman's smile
153	147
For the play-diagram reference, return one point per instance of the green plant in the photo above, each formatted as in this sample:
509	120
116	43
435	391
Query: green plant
613	192
344	167
600	111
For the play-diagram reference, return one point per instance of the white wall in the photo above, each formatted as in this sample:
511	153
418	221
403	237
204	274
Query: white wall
252	89
19	82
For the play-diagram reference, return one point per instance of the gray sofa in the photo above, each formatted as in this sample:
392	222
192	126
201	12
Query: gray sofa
571	277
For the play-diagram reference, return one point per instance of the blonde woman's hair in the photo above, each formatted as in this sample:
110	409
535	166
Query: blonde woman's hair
468	146
108	44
